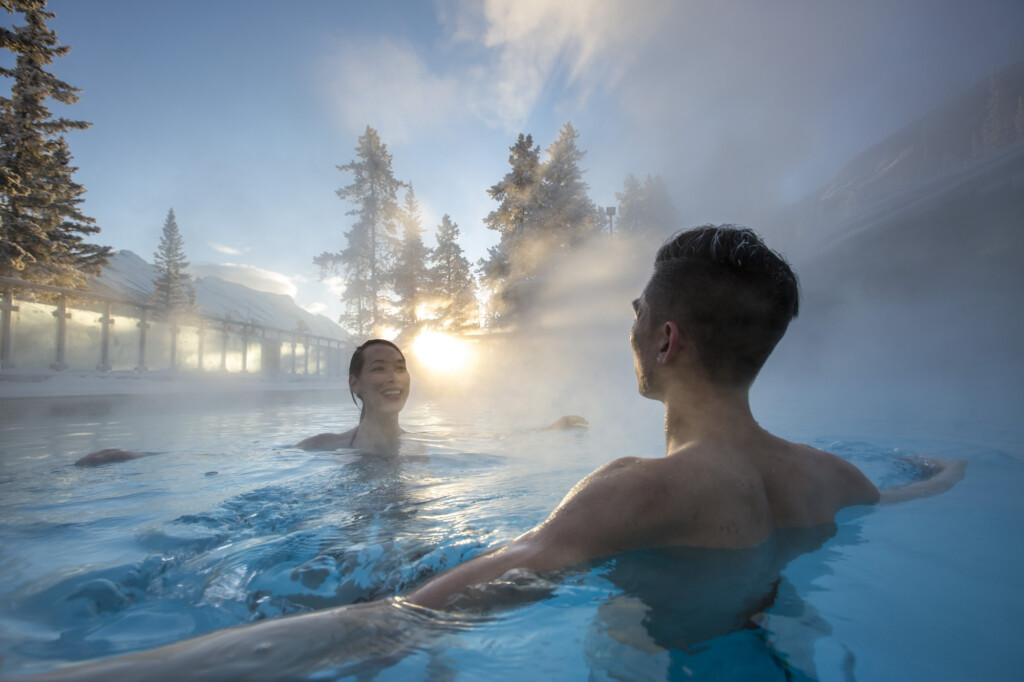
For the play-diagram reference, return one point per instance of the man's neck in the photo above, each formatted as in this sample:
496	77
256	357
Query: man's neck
709	412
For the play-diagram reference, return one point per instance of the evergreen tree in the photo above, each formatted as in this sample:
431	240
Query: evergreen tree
630	210
646	207
454	285
367	260
518	194
544	211
411	274
519	201
42	227
172	289
568	215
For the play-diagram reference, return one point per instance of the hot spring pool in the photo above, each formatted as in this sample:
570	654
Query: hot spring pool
227	525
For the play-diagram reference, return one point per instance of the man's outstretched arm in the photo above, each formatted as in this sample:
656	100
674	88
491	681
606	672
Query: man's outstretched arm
940	476
594	519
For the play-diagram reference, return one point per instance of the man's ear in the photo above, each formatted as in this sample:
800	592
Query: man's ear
670	341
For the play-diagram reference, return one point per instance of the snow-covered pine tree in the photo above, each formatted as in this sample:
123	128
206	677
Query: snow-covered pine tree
368	258
454	285
172	288
42	227
411	275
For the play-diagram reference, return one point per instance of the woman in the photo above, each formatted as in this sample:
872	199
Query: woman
379	379
379	383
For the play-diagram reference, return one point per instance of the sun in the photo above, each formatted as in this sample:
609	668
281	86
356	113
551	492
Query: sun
441	353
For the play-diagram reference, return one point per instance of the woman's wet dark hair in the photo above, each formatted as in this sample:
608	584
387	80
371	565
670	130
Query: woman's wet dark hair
355	365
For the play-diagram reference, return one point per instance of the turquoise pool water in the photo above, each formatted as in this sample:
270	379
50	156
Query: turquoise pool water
226	525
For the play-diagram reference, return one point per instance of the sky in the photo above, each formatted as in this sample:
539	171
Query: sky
237	113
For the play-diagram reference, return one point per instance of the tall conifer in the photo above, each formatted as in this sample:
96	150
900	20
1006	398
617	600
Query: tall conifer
544	211
454	285
519	208
172	289
368	258
569	214
42	228
411	274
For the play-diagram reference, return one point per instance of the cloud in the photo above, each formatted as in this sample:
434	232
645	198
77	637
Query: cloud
227	250
533	42
315	308
387	85
335	285
592	41
250	276
503	58
740	105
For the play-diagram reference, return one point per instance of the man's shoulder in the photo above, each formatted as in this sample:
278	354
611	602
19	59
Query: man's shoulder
828	479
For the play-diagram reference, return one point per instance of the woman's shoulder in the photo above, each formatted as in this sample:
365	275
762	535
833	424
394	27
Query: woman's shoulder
327	441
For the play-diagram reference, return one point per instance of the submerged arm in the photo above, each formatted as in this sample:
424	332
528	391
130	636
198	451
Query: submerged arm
940	476
596	518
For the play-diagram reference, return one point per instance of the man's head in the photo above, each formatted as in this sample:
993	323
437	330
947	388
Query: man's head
730	294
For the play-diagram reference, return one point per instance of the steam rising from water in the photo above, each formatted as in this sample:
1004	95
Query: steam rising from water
569	352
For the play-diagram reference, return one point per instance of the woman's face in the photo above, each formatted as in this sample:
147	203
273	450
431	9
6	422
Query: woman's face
383	383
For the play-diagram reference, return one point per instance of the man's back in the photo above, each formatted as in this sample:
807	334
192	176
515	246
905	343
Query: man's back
729	494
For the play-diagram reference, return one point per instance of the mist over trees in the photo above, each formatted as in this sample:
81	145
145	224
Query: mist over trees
543	211
172	288
395	283
454	288
42	228
411	277
646	207
519	207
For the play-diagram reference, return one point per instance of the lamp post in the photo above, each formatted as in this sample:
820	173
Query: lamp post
610	212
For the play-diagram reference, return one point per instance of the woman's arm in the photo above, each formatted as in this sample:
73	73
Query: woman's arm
327	441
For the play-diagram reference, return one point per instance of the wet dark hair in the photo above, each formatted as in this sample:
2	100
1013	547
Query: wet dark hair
355	365
732	294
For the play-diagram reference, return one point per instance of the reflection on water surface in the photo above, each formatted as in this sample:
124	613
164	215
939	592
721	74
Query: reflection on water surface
228	525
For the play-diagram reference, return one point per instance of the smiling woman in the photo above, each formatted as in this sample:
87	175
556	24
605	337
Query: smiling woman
379	383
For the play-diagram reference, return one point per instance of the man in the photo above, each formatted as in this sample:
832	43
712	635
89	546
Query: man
715	307
718	302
